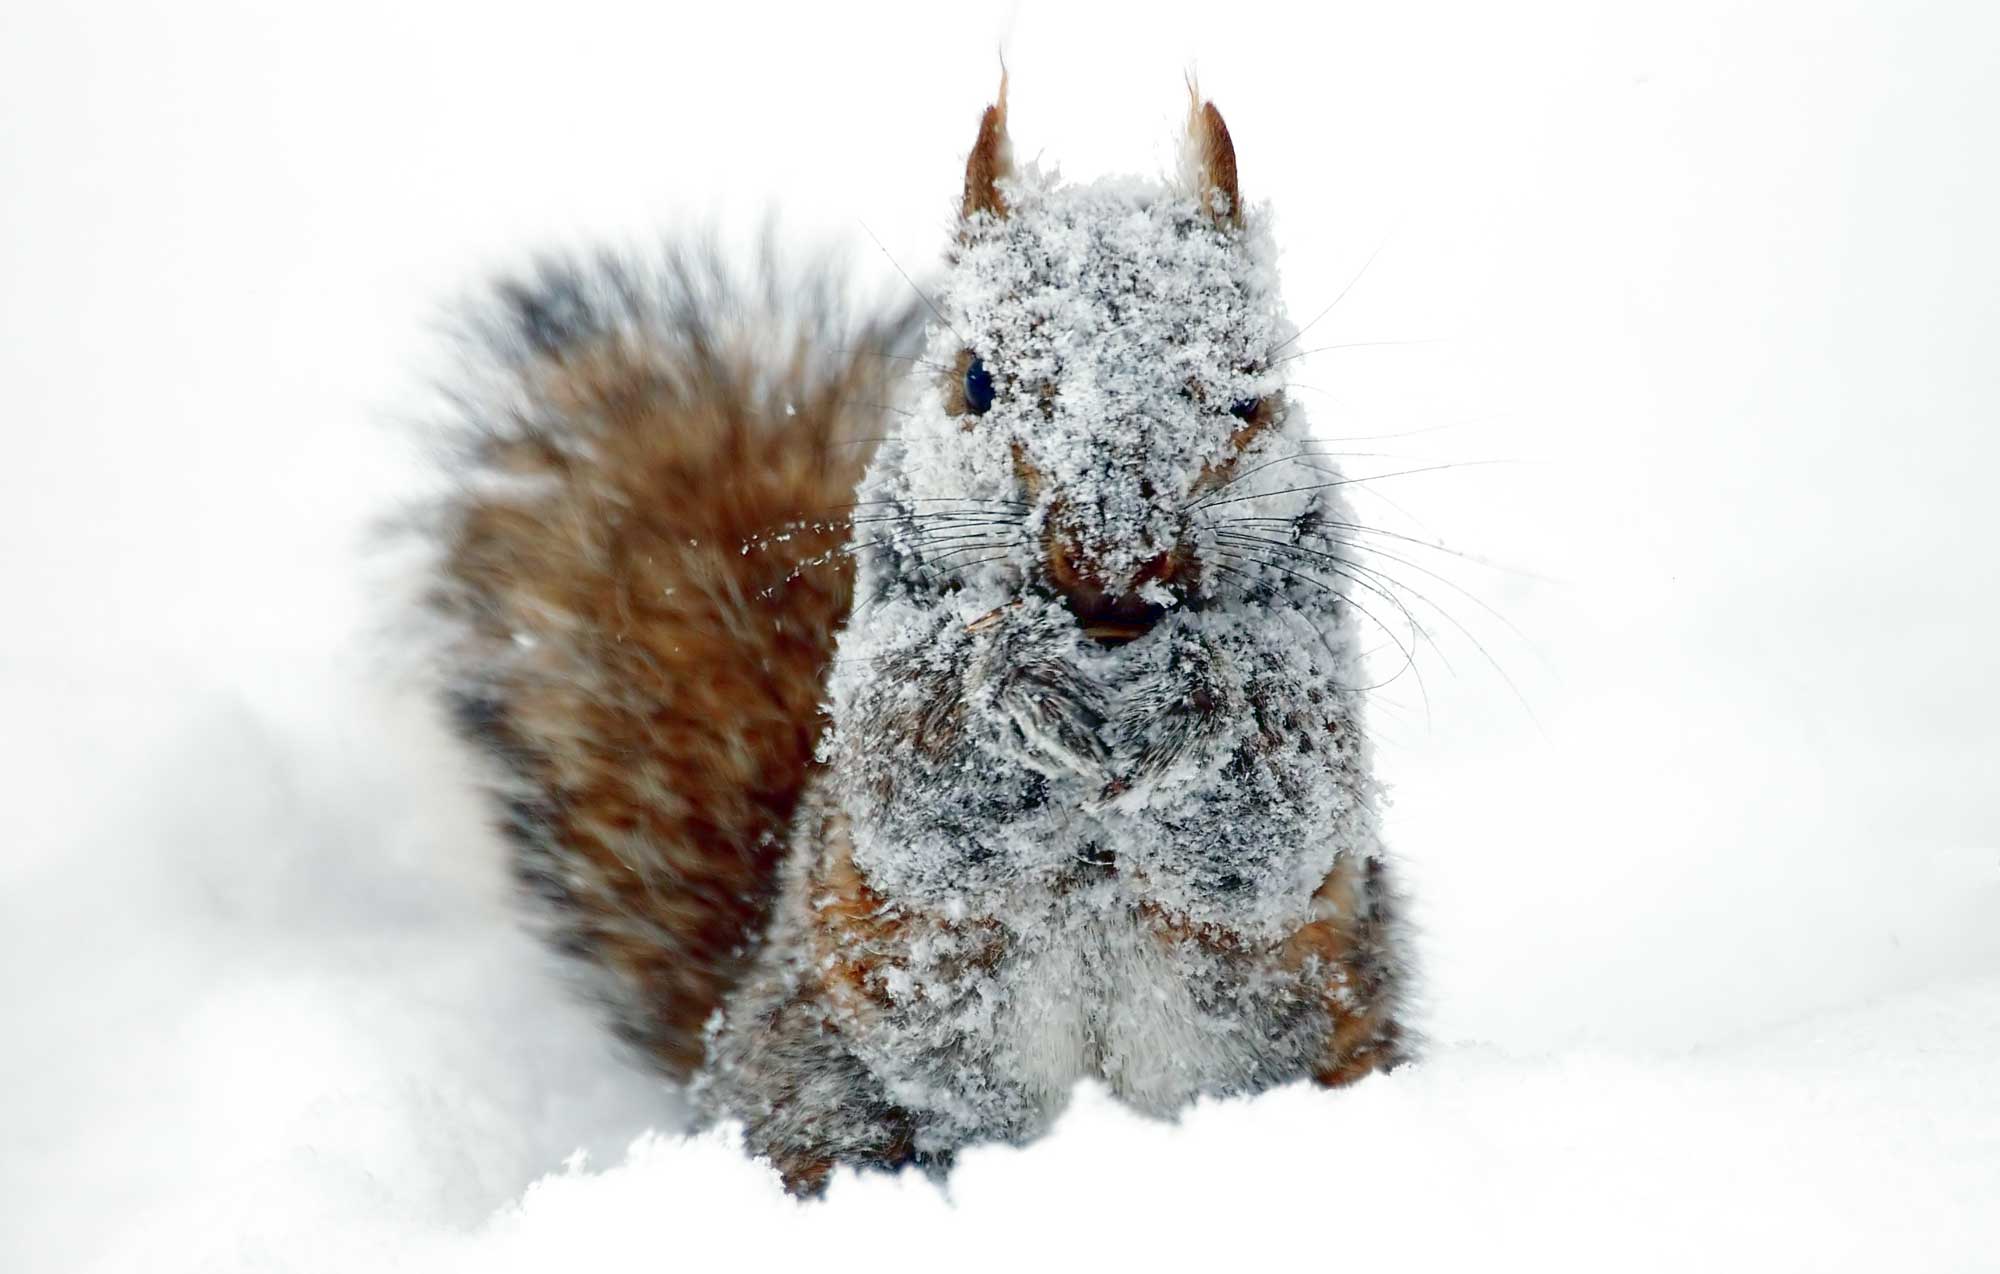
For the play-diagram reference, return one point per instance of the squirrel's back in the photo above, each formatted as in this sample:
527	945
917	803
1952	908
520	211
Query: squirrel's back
642	575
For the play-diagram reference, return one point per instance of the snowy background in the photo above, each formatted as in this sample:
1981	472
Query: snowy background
1712	904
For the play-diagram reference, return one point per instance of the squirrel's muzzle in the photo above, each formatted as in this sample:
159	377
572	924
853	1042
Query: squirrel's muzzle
1114	617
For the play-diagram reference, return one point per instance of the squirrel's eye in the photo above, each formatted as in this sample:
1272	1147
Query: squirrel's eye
978	387
1244	408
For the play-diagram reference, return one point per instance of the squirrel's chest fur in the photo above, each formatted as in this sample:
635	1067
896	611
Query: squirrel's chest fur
1026	863
1213	771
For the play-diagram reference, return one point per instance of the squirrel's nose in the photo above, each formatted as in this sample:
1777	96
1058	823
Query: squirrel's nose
1112	618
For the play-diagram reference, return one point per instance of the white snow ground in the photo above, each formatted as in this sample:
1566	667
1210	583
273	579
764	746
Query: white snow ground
1713	939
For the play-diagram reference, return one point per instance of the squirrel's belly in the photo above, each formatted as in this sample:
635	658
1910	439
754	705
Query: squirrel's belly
1100	991
1047	1036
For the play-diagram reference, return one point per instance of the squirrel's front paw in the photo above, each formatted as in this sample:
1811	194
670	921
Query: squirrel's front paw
1047	713
1180	711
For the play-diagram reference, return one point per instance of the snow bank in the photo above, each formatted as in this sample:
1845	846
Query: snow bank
1862	1140
283	1020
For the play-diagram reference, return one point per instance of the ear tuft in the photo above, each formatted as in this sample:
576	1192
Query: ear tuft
1211	161
991	159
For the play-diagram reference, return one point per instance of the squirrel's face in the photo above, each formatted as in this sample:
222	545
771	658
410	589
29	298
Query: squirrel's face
1103	357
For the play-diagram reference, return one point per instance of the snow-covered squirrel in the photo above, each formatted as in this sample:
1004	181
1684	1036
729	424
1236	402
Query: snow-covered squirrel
889	786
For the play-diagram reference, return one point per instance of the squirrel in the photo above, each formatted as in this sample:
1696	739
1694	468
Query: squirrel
889	768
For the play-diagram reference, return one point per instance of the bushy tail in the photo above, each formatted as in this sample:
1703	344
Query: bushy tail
642	578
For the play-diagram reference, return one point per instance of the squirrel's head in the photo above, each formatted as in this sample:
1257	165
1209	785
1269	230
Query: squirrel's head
1101	362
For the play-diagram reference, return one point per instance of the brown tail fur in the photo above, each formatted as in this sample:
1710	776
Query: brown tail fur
643	580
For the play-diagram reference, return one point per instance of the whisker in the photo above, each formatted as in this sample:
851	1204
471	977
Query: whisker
1340	566
1304	453
1321	349
1264	592
900	358
1299	525
1211	502
1447	616
1409	654
1341	296
927	499
1454	585
853	549
935	311
919	523
947	519
966	566
911	544
940	558
1468	634
1337	567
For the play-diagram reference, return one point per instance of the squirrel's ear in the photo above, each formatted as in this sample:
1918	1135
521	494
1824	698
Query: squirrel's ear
991	159
1208	161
